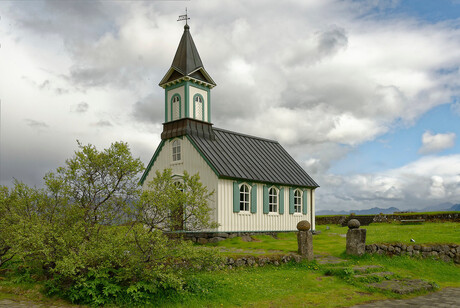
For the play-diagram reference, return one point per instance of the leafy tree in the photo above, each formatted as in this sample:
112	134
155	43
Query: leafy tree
101	183
74	231
169	204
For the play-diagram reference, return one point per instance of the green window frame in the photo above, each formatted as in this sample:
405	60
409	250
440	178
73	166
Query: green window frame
244	197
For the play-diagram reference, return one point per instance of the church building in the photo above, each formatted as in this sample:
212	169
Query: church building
258	186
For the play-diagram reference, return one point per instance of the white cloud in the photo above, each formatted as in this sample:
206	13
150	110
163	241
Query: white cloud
432	143
315	75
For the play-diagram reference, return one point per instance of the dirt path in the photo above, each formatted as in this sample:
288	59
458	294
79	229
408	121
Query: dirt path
448	297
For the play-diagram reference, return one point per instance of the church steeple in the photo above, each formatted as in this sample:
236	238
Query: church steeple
187	63
187	89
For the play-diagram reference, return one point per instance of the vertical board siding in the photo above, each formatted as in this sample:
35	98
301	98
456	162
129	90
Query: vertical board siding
230	221
313	218
192	162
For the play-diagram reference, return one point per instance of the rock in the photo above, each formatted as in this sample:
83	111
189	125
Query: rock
354	224
356	241
410	248
303	225
239	262
416	247
215	239
327	228
426	249
246	238
445	258
202	241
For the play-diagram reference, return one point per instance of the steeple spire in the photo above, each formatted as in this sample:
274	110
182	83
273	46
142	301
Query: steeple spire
187	62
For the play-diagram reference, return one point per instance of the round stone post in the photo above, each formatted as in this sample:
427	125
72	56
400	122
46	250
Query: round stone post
305	240
356	238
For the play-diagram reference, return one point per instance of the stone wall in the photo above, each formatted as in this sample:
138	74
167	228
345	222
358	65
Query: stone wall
261	260
445	252
342	219
214	237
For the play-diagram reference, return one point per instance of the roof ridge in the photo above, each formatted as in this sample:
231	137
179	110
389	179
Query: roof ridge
244	135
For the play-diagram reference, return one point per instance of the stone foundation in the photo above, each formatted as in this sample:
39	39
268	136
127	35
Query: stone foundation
261	260
214	237
445	252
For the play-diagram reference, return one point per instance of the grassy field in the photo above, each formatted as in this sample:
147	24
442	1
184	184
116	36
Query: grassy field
333	241
303	284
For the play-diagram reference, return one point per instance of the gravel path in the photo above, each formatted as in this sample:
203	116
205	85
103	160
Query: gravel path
448	297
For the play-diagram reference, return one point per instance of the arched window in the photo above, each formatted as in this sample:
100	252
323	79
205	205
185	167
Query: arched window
297	201
244	198
175	107
176	153
273	200
198	110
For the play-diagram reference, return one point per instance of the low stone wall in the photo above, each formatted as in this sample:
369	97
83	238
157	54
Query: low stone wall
261	260
214	237
449	216
330	220
444	252
342	219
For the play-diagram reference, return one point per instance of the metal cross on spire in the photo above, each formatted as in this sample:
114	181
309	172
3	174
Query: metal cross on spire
184	17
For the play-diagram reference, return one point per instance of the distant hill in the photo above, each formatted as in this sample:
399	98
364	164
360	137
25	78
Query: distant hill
455	207
376	210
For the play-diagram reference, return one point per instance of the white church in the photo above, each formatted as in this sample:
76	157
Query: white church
258	186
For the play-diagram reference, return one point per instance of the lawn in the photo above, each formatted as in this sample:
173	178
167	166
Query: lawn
306	284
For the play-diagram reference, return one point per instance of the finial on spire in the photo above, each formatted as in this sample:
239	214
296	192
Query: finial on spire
184	17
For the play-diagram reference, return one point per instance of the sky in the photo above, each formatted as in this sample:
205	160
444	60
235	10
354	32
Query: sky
365	95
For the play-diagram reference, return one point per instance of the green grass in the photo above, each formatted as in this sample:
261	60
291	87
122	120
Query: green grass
303	284
292	285
333	241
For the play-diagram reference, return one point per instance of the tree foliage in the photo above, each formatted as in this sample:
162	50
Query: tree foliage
76	231
175	204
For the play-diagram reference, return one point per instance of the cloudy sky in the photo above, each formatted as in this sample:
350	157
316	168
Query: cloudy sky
364	94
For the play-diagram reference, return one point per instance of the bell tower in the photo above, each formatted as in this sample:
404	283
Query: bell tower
187	84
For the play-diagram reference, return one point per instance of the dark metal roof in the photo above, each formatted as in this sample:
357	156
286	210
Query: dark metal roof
249	158
187	58
187	62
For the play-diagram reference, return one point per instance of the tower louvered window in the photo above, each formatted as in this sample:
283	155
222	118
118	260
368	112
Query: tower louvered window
175	108
199	108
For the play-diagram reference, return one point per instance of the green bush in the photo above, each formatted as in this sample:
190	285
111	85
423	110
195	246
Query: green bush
79	235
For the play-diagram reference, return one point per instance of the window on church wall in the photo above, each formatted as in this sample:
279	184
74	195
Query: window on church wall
244	198
297	201
273	200
175	107
198	103
176	150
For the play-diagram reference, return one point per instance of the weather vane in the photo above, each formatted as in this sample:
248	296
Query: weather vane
184	17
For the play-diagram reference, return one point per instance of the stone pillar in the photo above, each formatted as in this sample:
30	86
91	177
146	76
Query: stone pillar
305	240
356	238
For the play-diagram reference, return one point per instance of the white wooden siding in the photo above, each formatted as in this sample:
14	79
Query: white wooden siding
230	221
191	161
313	213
